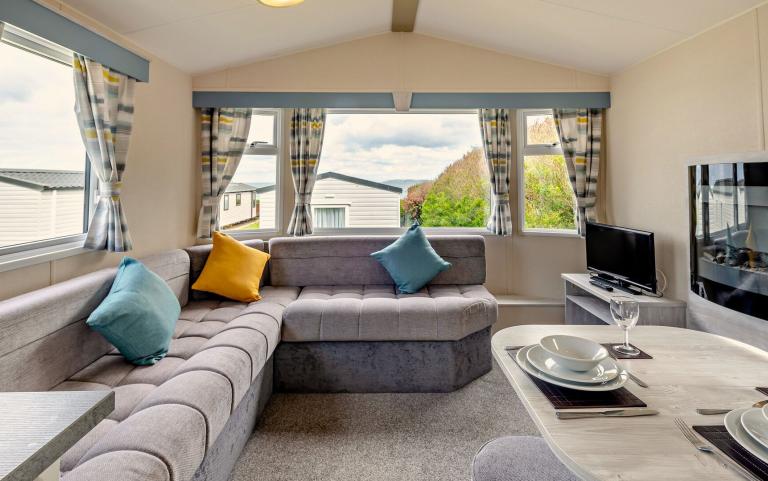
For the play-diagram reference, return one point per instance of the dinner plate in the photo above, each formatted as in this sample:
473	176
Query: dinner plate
522	361
755	424
736	430
605	371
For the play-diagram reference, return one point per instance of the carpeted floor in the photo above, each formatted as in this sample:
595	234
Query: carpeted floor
359	437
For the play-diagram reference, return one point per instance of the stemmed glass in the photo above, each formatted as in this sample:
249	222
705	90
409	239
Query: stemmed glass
625	312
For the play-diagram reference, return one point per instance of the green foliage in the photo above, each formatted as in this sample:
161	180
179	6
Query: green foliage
442	210
458	197
549	202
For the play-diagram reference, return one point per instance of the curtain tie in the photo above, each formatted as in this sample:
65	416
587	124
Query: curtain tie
110	189
585	202
210	201
302	198
500	198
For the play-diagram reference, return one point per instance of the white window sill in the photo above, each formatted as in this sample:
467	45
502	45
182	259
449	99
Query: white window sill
549	233
400	231
40	255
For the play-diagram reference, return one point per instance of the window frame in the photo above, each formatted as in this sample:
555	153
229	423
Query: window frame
400	230
344	207
524	149
274	149
43	250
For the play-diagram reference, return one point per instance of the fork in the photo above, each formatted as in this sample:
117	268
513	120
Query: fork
694	439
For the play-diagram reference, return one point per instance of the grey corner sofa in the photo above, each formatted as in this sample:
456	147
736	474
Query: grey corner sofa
329	320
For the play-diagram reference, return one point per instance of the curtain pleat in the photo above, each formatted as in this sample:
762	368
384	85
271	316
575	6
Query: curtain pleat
497	145
104	110
580	132
2	27
224	137
306	144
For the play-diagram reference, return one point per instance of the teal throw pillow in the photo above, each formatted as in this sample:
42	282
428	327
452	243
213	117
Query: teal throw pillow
411	261
138	315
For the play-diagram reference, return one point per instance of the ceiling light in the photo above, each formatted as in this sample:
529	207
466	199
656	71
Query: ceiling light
280	3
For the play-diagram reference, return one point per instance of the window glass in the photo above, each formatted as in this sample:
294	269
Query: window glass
255	181
547	197
329	217
42	157
391	168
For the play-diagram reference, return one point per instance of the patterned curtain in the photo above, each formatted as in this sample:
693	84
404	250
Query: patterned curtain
2	27
224	137
104	110
497	145
580	135
307	126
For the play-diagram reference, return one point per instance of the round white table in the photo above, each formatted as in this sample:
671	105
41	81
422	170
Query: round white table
689	370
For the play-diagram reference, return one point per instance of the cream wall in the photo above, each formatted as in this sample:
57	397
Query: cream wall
702	97
160	179
523	265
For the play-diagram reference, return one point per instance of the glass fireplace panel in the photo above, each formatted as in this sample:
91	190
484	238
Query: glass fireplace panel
729	235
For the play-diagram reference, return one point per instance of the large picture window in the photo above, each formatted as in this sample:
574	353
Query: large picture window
254	185
388	169
546	199
44	173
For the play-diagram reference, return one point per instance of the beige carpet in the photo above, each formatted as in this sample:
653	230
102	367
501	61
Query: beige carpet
403	437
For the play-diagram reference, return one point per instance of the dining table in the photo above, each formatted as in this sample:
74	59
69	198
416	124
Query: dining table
689	369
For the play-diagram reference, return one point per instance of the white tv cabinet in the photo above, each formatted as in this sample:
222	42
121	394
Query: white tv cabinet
589	304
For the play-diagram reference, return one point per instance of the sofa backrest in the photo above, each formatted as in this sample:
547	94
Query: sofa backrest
198	255
43	336
346	260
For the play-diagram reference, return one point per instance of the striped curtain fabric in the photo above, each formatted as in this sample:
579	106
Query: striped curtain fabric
2	27
104	110
307	127
497	145
580	132
224	138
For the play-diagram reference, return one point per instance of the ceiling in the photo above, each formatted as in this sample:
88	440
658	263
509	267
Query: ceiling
599	36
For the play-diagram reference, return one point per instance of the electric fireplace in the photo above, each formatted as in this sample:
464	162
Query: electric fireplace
729	232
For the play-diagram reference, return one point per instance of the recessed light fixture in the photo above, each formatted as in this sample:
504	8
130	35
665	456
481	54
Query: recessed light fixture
280	3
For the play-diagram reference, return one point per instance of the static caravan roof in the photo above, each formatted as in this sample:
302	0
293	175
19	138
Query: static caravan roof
345	178
40	179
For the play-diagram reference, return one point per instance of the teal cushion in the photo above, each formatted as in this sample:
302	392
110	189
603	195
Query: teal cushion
411	261
138	315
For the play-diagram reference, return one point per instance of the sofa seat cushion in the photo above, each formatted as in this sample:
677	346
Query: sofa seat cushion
168	414
380	313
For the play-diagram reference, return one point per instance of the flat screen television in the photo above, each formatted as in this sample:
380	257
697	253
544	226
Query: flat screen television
729	231
621	255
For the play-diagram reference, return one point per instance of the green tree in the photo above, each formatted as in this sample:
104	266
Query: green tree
459	196
549	202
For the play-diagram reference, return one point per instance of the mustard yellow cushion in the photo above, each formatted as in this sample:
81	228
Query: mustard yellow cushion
233	270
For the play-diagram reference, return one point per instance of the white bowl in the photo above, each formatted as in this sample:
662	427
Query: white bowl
575	353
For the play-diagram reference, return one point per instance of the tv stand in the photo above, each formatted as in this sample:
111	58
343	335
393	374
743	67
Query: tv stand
586	303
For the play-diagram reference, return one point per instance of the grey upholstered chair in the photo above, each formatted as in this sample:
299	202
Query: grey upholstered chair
518	458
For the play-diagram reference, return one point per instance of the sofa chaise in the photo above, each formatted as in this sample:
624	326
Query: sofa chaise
329	320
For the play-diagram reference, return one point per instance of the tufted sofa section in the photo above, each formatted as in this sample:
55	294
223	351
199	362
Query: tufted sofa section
379	313
175	410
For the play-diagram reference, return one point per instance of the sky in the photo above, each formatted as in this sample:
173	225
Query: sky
38	128
379	147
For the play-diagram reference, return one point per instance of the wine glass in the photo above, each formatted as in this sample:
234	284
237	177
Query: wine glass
625	312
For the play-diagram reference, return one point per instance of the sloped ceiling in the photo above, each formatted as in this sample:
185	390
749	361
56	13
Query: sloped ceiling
600	36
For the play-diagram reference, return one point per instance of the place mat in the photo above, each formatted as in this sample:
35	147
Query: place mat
618	355
723	441
763	390
564	398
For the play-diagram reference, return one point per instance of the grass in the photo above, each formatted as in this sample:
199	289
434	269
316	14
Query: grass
252	225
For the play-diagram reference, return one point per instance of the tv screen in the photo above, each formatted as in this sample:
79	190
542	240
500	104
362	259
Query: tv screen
624	254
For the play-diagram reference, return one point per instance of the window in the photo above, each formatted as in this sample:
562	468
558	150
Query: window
329	217
256	176
45	192
388	169
226	202
546	197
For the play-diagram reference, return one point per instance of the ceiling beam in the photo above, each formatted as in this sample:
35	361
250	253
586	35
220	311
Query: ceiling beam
404	15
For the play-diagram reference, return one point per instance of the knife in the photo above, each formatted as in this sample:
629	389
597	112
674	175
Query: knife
614	413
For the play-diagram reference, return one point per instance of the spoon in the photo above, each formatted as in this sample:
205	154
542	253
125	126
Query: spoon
707	412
